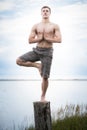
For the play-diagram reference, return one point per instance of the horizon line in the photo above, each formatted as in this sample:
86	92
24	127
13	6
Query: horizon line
60	79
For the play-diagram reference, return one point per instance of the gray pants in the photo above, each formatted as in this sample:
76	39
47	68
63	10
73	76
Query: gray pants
44	55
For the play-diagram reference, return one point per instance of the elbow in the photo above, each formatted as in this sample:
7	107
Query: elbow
29	41
60	40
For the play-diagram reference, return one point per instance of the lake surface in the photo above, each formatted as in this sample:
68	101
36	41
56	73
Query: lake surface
17	97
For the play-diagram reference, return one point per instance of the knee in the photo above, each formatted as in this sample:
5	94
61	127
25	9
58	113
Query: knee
18	61
45	78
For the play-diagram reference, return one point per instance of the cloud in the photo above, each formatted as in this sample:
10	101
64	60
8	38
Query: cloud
6	5
68	56
73	50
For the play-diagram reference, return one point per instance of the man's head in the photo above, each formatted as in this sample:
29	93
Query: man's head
45	11
46	7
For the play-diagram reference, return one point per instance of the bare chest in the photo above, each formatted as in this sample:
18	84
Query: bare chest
48	28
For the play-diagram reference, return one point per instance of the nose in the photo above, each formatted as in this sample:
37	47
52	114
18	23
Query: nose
45	12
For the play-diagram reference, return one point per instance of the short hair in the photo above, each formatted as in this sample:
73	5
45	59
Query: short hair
46	7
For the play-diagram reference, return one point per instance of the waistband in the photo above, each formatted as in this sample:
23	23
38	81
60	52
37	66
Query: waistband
44	48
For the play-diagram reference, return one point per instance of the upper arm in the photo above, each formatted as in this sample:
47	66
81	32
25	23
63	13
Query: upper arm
57	33
33	32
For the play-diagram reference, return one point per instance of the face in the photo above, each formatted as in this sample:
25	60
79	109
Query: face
45	12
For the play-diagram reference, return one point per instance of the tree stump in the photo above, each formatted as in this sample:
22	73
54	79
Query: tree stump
42	116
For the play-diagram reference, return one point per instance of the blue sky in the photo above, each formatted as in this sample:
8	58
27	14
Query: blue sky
16	20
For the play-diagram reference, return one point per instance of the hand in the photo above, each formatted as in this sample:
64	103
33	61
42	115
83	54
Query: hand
46	36
40	37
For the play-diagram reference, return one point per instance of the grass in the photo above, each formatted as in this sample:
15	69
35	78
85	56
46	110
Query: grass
70	117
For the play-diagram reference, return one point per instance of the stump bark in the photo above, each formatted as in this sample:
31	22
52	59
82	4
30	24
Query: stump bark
42	116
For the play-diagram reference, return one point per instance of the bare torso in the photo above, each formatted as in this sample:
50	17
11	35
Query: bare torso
45	34
45	29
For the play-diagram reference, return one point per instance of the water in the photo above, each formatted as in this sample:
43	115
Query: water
17	97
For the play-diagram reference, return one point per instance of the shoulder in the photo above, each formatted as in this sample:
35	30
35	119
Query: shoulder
56	26
35	26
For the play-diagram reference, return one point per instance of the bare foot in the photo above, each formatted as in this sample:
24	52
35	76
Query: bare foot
43	99
39	67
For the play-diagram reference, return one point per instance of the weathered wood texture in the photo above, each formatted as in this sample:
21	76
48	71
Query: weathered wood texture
42	115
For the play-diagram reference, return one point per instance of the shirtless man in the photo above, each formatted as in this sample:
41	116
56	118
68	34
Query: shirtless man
44	34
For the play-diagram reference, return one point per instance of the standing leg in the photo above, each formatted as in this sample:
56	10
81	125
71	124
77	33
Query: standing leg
44	88
45	69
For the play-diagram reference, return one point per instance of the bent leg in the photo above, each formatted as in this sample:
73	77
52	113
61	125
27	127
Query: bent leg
21	62
29	60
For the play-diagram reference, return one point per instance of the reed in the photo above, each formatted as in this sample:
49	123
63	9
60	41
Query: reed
70	117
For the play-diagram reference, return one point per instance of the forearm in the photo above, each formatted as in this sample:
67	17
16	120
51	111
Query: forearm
53	39
34	40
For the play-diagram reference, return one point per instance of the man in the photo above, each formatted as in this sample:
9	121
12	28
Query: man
44	34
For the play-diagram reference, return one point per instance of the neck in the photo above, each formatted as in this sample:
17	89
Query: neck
45	20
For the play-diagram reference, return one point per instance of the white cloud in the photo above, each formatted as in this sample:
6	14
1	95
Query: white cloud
3	49
72	20
6	5
72	52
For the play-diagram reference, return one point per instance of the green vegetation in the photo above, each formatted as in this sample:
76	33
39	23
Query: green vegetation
70	117
30	128
71	123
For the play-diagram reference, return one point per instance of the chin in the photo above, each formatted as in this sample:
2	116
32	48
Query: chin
45	17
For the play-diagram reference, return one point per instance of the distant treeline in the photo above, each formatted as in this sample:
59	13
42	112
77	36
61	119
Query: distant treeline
71	117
